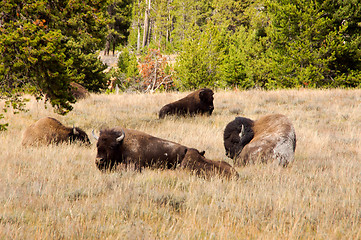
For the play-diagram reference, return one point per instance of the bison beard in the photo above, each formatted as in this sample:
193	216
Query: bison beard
272	137
130	147
196	162
198	102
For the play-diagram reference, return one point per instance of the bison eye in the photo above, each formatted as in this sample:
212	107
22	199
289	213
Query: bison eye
112	146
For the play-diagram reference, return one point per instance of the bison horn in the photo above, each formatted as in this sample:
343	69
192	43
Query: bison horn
242	131
75	131
95	136
121	137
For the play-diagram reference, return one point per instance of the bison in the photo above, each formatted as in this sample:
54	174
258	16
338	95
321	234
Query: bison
48	130
198	102
272	137
78	91
201	166
130	147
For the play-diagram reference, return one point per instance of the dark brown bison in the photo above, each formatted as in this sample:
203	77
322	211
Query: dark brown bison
48	130
198	102
78	91
269	138
130	147
196	162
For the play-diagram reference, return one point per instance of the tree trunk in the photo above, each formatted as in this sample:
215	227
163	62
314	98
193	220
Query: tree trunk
107	46
150	29
146	24
138	36
138	26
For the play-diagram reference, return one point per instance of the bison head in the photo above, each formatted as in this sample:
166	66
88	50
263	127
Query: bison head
76	134
108	148
192	156
206	97
195	161
236	135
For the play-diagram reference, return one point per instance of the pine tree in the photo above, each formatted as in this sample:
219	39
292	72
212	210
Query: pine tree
120	13
310	46
163	24
200	59
44	45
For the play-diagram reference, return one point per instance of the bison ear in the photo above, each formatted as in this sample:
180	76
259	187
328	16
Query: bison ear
185	151
202	153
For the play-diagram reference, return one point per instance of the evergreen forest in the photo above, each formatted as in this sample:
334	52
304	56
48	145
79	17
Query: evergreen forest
245	44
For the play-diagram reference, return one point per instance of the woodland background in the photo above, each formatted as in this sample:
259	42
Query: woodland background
250	44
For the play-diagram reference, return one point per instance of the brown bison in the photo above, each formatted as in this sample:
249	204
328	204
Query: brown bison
78	91
272	137
48	130
198	102
130	147
196	162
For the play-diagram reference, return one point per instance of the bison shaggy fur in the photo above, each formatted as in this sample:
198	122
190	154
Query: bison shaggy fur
201	166
78	91
134	148
270	138
49	130
198	102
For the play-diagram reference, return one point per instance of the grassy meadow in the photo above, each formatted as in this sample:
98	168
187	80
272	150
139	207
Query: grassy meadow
56	192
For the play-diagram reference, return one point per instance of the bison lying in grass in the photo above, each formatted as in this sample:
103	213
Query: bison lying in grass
78	91
48	130
270	138
198	102
130	147
196	162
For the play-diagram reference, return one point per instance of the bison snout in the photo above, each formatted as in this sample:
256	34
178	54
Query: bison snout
211	108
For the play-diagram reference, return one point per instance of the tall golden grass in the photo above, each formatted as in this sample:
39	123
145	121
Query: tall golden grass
56	192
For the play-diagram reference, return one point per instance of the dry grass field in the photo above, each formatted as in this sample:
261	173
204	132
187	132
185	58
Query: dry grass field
56	192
